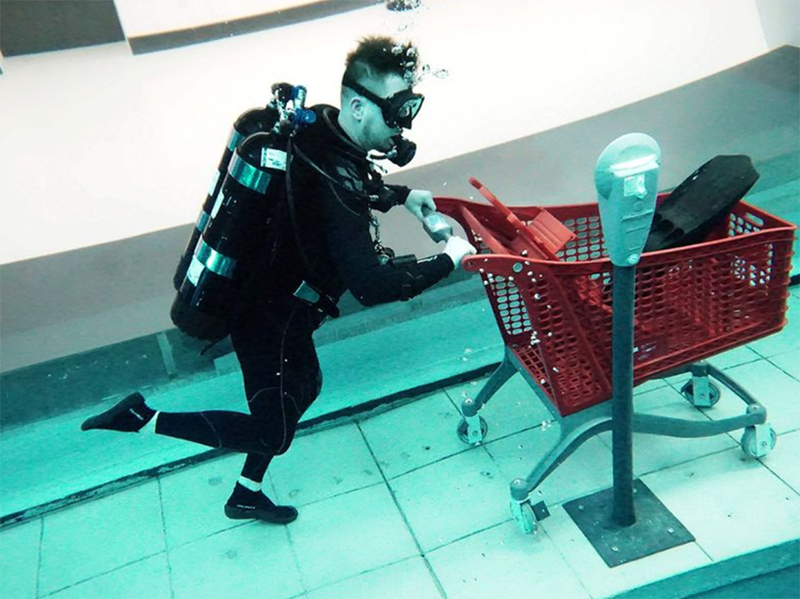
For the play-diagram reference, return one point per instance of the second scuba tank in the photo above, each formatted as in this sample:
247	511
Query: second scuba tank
252	121
240	233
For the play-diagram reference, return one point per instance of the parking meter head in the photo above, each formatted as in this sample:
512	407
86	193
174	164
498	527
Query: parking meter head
626	179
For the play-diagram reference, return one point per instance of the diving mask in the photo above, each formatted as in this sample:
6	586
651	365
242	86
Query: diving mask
398	110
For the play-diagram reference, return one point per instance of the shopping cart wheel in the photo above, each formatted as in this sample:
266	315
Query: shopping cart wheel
524	516
713	395
471	437
758	443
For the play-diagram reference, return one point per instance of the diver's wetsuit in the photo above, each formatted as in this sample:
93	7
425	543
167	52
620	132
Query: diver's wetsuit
272	335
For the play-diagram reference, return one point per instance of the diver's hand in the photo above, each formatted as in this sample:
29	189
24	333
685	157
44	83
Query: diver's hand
458	247
417	200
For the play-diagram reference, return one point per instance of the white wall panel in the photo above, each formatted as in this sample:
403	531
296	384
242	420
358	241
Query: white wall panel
146	17
98	145
781	22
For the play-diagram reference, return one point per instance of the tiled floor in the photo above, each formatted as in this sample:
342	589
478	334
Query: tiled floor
393	505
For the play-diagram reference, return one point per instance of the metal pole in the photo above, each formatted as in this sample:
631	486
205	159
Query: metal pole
626	178
624	284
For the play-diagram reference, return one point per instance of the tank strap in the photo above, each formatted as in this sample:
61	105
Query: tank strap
322	302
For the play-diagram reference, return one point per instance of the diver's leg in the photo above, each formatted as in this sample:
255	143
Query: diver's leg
279	409
129	416
260	341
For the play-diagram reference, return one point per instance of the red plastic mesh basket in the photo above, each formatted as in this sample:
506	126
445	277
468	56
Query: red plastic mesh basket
691	302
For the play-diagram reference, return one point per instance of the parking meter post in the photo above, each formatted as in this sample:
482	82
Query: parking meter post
626	178
623	286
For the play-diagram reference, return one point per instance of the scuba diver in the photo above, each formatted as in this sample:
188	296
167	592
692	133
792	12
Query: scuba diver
323	246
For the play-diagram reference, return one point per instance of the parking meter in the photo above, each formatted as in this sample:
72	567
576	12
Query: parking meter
626	178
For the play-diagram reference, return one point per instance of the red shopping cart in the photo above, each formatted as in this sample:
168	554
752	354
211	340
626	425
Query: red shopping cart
548	279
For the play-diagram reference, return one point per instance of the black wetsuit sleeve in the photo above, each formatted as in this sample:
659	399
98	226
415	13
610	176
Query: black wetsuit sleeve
389	196
350	245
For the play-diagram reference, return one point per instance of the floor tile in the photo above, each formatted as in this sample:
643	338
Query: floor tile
789	362
19	560
723	360
656	452
409	579
349	534
147	578
453	498
734	357
649	386
93	538
323	464
768	384
731	504
414	435
194	499
645	400
786	339
597	577
251	560
783	459
726	360
585	471
503	562
514	407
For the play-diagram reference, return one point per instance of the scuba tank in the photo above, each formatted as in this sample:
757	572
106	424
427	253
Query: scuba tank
240	232
252	121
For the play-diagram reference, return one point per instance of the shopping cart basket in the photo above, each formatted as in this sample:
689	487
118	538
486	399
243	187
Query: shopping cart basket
554	314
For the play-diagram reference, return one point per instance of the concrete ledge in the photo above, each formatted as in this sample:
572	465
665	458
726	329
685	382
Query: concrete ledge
720	574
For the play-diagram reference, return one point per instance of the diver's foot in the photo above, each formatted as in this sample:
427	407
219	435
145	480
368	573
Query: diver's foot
245	504
128	416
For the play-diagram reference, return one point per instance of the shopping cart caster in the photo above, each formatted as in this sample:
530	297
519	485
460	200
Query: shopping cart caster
707	396
472	430
757	441
526	515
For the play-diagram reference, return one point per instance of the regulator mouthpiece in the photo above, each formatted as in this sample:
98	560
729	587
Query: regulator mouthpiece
403	151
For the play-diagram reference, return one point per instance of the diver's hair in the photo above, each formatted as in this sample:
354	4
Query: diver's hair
381	55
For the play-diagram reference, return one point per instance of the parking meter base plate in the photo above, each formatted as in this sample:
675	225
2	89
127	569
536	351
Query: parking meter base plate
656	529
